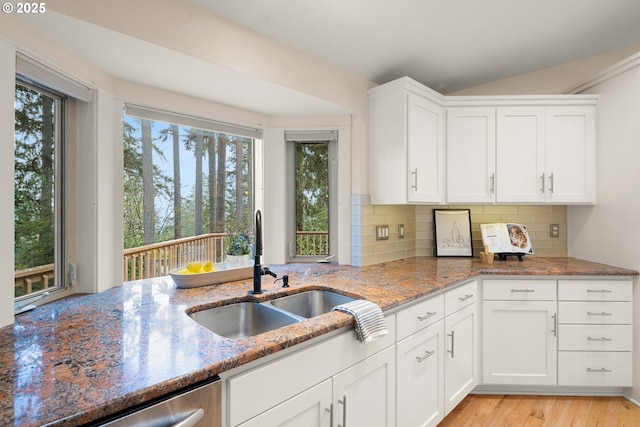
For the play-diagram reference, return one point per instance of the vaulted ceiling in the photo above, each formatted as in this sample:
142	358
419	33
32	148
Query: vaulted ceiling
448	45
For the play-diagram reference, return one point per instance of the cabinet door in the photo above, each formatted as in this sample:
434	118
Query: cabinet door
310	408
519	342
425	154
364	395
471	150
461	355
520	154
570	154
420	381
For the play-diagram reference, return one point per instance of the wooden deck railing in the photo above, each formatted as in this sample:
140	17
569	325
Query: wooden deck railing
33	279
312	243
159	258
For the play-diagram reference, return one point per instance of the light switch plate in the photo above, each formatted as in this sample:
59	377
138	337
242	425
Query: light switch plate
400	231
382	232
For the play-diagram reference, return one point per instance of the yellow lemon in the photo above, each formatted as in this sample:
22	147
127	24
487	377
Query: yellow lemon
183	271
207	266
194	267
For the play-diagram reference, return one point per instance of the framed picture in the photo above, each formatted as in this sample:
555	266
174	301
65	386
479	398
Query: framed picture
453	232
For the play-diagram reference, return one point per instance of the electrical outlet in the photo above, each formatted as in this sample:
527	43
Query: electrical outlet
554	230
382	232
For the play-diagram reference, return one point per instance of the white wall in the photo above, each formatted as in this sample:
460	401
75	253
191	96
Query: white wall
7	91
609	232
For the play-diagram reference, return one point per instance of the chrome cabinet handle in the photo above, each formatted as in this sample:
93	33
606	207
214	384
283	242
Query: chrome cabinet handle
551	182
555	324
523	290
542	183
427	354
452	335
428	315
191	420
599	339
330	411
599	291
344	411
415	179
492	179
466	297
599	370
589	313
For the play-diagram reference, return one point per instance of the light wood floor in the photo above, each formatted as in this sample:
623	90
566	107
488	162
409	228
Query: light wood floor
543	411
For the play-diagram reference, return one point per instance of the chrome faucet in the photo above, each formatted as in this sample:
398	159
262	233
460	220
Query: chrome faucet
258	270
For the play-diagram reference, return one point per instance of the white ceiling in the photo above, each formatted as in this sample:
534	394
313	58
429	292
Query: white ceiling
448	45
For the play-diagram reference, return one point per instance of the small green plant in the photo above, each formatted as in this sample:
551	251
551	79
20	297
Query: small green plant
238	244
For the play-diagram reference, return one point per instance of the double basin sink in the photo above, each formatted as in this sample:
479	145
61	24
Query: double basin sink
247	319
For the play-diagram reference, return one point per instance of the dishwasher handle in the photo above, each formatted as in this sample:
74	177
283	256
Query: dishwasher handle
191	420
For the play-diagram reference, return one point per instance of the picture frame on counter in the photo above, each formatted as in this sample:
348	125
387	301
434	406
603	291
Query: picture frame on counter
453	232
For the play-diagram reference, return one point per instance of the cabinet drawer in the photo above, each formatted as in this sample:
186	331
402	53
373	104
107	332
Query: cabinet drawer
594	368
419	316
598	313
595	337
519	290
460	297
595	290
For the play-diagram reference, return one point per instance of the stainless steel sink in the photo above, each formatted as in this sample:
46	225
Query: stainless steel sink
243	319
310	303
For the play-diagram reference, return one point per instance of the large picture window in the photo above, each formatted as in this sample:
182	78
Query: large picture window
188	190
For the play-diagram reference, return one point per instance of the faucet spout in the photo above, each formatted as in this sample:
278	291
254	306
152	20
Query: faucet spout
258	270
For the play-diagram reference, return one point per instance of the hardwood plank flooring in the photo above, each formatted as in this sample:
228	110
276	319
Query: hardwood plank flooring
543	411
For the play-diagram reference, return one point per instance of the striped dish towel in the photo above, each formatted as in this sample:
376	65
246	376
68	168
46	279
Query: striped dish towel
369	319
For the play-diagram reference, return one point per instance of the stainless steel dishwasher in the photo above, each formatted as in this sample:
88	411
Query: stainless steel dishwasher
198	407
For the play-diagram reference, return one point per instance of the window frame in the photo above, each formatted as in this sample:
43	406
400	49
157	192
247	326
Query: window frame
61	240
77	97
317	136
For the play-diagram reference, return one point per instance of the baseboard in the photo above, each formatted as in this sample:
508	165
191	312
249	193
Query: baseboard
549	390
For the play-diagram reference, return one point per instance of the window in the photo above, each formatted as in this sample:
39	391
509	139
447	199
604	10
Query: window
313	179
38	184
47	105
188	188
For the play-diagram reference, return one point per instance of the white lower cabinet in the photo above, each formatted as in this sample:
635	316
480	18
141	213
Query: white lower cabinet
596	333
322	384
311	408
519	342
461	358
364	395
420	380
574	332
436	355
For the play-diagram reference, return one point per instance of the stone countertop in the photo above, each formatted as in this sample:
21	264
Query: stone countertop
79	359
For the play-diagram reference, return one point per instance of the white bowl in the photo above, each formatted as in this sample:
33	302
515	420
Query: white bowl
220	275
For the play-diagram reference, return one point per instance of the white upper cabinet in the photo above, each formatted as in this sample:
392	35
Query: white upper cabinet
570	154
542	153
496	149
546	154
520	154
406	144
471	155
